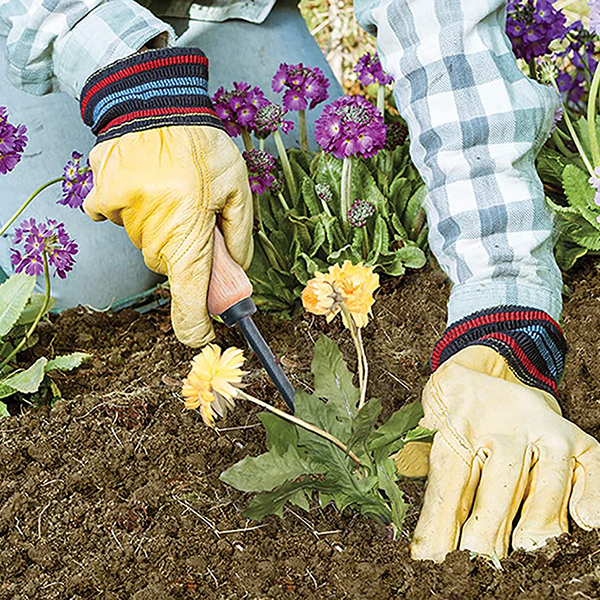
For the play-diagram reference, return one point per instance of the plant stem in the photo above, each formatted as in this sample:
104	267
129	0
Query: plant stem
284	204
388	168
591	117
256	205
381	99
303	131
363	391
248	143
37	318
532	69
573	133
285	163
261	144
365	242
273	256
360	354
346	189
27	203
559	143
303	424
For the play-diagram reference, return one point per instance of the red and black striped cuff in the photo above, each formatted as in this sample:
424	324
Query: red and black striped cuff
155	88
530	341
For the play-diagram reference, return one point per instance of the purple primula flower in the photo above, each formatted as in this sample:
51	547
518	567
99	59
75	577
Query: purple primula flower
269	118
77	183
12	142
303	84
260	167
49	238
350	126
238	107
595	183
324	193
370	71
359	212
532	25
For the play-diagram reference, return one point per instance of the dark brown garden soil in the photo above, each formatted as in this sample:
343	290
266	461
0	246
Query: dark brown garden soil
115	493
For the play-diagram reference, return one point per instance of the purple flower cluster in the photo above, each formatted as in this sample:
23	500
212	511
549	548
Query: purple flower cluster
260	167
49	238
370	71
359	212
77	183
578	59
303	84
324	193
12	142
532	25
350	126
269	118
238	107
595	183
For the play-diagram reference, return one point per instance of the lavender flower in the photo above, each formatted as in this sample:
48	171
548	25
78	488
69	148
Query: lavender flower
49	238
595	16
269	118
303	84
359	212
370	71
237	108
12	142
532	25
324	193
77	183
595	183
350	126
260	166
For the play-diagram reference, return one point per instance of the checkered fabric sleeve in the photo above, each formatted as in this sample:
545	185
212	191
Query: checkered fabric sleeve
55	45
476	124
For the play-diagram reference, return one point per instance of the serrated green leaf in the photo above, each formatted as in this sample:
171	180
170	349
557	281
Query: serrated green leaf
383	440
27	381
268	471
333	380
386	475
363	423
14	295
567	254
281	434
300	499
67	362
419	434
272	503
577	188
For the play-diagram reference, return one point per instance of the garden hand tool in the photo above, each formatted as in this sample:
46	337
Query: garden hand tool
500	446
229	297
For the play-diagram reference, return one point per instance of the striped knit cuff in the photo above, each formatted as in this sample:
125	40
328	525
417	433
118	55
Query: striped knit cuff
530	341
156	88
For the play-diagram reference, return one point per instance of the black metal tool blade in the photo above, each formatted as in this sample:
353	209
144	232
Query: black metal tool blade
240	314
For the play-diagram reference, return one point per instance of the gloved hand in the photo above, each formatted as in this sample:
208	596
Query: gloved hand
164	168
500	445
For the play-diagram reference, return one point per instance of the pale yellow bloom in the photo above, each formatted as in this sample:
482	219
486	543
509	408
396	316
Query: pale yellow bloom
352	285
213	381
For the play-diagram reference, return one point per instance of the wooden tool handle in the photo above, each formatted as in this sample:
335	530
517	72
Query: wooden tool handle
228	282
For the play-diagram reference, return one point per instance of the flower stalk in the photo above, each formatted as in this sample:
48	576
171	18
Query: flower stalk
303	130
363	365
346	194
591	117
285	163
381	99
308	426
247	139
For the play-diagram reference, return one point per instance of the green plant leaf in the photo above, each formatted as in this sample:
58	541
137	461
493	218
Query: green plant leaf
365	186
33	307
281	434
268	471
67	362
27	381
363	423
4	410
414	208
310	197
333	380
419	434
577	188
412	256
388	438
386	475
14	295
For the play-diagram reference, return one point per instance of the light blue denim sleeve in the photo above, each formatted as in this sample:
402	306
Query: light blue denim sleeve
476	125
54	45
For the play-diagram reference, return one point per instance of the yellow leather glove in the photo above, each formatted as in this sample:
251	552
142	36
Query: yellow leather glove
164	169
166	187
500	446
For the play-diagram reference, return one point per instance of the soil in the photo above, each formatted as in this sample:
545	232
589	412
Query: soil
114	493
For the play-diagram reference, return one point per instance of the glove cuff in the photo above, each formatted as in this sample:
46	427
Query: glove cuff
530	341
155	88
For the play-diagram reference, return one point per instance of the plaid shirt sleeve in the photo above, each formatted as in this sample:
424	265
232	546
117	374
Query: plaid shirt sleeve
476	124
55	45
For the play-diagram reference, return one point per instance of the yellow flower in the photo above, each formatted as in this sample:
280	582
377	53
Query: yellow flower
213	381
352	285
